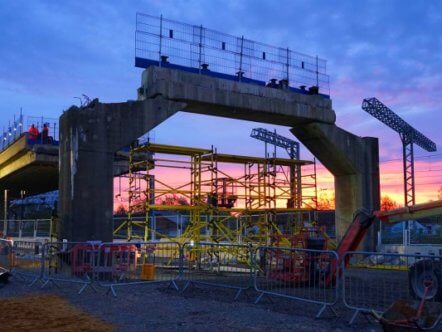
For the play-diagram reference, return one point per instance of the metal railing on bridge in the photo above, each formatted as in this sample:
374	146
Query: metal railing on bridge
20	126
168	43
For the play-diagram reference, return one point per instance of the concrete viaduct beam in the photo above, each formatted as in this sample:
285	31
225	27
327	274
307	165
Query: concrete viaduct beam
351	159
225	98
89	138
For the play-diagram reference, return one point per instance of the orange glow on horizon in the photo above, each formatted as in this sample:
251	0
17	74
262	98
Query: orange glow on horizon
392	183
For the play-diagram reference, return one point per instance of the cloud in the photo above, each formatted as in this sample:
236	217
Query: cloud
359	48
54	51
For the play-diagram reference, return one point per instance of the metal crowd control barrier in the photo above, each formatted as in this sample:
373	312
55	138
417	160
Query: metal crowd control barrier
374	281
130	263
6	254
218	265
298	274
71	262
28	228
26	259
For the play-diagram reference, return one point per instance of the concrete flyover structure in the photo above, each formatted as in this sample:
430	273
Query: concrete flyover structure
30	167
33	167
90	136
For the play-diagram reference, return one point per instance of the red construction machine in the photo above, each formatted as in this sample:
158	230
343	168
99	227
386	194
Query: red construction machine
295	265
306	265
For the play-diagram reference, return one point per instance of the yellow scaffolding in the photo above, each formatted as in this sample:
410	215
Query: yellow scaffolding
217	205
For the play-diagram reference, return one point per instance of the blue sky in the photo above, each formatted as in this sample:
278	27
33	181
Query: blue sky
52	51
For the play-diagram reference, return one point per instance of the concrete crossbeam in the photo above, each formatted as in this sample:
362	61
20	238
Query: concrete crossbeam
219	97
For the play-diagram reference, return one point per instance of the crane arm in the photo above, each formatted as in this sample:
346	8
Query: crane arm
364	219
411	212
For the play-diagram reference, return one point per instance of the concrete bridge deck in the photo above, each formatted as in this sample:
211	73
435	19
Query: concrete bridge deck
32	167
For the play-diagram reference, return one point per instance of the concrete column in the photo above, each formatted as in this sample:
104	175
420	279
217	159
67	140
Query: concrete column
89	138
5	212
354	162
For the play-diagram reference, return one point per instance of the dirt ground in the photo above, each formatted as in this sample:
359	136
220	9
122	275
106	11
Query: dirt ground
158	308
46	313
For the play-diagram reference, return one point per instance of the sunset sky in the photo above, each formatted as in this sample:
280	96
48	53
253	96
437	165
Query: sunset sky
53	51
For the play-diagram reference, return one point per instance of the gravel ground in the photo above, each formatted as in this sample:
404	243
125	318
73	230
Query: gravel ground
47	313
156	307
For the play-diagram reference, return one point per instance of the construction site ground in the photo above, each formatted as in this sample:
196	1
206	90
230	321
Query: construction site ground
156	307
46	312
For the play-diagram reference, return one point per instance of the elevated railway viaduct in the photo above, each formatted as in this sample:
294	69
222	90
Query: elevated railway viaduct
90	136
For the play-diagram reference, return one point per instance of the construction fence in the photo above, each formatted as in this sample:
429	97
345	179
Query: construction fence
364	282
295	273
419	232
129	263
22	258
372	281
28	228
218	265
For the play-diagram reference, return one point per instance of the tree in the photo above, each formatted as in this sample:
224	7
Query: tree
173	199
326	201
388	204
121	210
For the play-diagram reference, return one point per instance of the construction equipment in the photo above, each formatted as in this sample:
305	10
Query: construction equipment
421	273
296	266
411	315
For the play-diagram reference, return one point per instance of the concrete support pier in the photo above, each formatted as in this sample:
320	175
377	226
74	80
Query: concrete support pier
89	138
354	162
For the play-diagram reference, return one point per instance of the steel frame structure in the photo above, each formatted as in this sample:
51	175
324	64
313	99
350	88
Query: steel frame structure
291	146
292	149
409	136
215	195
